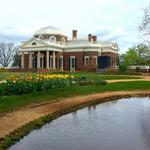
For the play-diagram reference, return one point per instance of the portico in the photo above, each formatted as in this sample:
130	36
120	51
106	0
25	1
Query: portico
40	59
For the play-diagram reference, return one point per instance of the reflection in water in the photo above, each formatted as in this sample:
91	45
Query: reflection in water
120	125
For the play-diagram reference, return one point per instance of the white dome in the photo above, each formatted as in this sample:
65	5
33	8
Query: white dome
50	30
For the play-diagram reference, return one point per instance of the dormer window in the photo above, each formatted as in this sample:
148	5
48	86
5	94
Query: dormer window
34	43
52	38
41	37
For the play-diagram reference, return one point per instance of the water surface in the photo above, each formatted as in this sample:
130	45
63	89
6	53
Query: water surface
119	125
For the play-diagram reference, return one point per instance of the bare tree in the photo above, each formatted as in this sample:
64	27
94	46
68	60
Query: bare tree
7	52
144	27
16	59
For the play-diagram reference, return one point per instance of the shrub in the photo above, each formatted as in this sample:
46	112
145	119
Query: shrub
123	68
99	82
83	81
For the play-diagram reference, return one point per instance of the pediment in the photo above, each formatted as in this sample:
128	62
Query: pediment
34	43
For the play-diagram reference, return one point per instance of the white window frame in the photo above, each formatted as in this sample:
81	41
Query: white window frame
95	57
52	38
71	58
40	37
85	60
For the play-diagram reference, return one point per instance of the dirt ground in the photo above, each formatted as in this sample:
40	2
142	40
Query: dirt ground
14	120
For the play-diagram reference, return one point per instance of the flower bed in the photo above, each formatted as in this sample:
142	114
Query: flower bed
32	83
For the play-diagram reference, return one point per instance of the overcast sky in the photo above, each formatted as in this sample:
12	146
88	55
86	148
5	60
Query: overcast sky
110	20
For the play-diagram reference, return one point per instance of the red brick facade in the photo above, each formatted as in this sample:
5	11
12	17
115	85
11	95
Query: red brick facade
79	59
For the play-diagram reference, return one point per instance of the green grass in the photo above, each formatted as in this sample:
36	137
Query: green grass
10	103
4	75
105	77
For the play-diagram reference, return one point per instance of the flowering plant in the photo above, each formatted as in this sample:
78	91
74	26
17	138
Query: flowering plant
31	83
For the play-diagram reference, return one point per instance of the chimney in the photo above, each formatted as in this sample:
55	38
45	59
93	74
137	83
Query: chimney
90	37
74	34
94	38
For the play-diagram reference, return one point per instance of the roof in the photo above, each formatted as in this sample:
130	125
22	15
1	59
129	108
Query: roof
50	30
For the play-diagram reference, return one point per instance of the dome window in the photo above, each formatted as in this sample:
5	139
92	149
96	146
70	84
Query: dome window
34	43
52	38
41	37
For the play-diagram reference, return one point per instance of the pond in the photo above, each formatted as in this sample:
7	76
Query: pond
118	125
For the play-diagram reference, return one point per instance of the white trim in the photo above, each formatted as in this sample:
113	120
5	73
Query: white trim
90	50
26	52
33	40
72	68
41	49
109	51
40	37
85	60
52	39
95	57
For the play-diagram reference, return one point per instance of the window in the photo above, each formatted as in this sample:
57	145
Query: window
72	63
41	37
95	60
33	62
52	38
86	60
34	43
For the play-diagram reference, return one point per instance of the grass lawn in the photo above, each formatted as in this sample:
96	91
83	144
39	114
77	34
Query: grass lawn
105	77
4	75
10	103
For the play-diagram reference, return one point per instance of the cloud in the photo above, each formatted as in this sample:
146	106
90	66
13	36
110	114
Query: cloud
125	36
14	34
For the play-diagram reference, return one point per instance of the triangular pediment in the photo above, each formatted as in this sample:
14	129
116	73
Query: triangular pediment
34	43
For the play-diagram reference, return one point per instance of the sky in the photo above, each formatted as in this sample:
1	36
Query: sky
111	20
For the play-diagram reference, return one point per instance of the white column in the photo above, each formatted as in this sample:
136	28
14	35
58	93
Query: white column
54	61
38	60
22	60
30	60
47	59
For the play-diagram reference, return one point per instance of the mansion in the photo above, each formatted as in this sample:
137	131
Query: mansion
51	49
